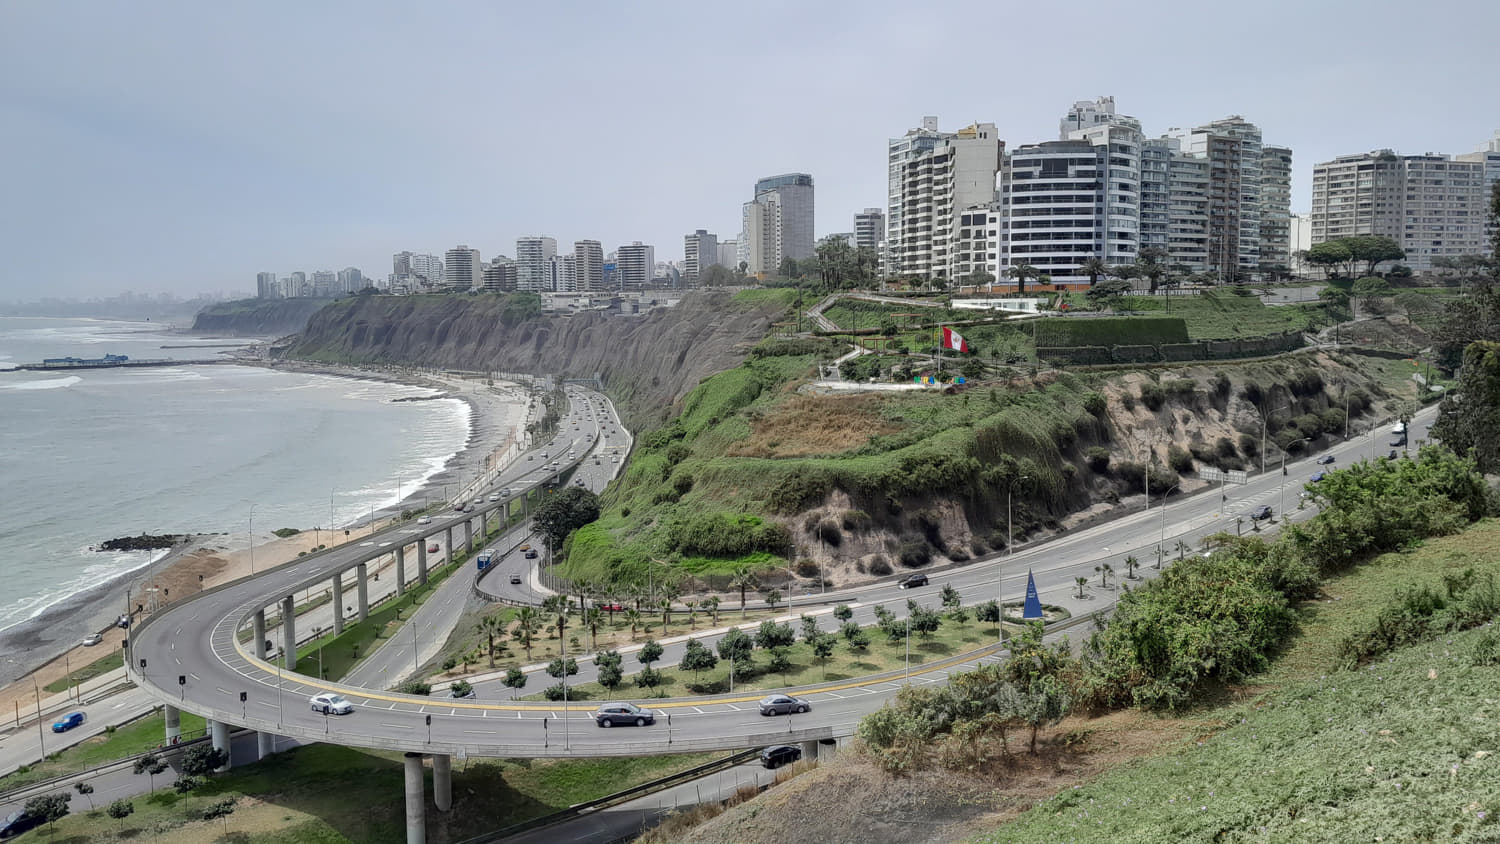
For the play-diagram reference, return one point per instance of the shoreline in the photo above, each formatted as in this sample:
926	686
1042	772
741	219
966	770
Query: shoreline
47	645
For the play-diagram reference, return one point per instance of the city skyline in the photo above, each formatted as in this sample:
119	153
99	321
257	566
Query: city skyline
181	160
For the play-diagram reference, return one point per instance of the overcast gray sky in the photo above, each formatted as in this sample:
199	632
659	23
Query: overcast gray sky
184	146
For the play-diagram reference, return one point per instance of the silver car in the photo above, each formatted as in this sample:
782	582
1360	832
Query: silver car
330	703
610	714
783	705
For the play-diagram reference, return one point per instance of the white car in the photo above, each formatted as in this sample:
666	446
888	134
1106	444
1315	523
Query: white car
330	703
92	639
425	520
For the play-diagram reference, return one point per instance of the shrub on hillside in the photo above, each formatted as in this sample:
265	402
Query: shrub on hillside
855	520
828	533
915	554
1152	395
1180	387
1250	444
1179	459
1421	612
1098	458
1134	476
880	566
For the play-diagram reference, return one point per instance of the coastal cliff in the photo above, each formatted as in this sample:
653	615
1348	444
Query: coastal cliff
647	362
256	317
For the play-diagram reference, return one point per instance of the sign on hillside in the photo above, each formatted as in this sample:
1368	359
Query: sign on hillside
1233	476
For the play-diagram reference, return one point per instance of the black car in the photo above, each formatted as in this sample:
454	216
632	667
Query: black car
1261	512
911	581
780	754
1326	460
531	555
610	714
18	822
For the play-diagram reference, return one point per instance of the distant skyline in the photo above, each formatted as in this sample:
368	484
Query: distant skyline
179	147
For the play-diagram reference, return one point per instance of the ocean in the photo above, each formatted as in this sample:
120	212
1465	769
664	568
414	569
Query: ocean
95	454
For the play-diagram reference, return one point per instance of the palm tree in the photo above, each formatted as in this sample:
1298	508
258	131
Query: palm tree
743	579
491	627
1130	563
1093	268
1081	581
711	604
528	620
556	608
593	617
1182	548
633	618
1021	272
692	614
666	613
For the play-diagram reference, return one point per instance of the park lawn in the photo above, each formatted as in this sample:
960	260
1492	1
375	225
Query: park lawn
138	736
1401	749
102	665
845	664
1223	315
327	793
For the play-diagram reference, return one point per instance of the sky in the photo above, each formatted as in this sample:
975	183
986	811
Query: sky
182	147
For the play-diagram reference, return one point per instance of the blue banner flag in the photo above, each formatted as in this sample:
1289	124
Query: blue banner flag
1032	611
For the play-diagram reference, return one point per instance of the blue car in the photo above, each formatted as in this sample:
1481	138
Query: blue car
1317	476
68	722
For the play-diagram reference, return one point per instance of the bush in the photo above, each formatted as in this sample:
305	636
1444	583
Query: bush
829	533
1486	649
806	568
203	759
555	692
186	783
1181	387
120	809
1095	403
1179	459
1421	612
1250	445
880	566
1152	395
915	554
415	687
1098	458
856	520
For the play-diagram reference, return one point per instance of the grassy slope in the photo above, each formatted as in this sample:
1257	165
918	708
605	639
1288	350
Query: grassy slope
1403	749
1218	316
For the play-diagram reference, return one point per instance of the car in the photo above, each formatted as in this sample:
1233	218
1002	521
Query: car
1394	455
782	705
16	823
1261	512
526	547
123	622
531	555
433	548
780	754
610	714
1325	460
530	457
92	639
544	455
68	722
459	506
494	496
1317	476
515	579
1398	442
612	607
615	459
425	520
331	703
912	581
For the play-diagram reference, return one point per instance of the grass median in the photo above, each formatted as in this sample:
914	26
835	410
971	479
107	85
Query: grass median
103	665
138	736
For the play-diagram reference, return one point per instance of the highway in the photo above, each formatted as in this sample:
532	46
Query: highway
195	661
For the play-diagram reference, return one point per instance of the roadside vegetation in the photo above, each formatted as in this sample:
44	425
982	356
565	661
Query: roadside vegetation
145	733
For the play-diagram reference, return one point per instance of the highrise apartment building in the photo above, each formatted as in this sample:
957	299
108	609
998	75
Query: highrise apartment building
534	259
1432	205
588	266
463	269
500	275
1233	149
636	264
1174	204
700	251
351	280
564	273
266	286
1276	207
934	177
729	254
869	229
778	223
1487	154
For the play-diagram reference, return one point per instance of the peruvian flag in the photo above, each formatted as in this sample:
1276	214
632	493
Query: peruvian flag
953	340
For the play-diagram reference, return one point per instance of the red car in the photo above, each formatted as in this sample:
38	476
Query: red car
612	607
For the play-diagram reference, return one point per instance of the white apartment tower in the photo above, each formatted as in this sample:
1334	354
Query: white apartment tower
700	251
636	264
1432	205
1086	114
1275	207
266	286
588	266
464	269
534	259
933	178
778	223
1232	147
501	275
869	229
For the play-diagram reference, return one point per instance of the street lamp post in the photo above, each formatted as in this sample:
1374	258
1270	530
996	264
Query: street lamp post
1281	488
1163	542
1010	550
1264	416
252	539
1010	546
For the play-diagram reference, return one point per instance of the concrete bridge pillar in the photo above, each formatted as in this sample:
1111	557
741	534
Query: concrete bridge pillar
468	534
218	733
363	575
422	558
506	523
173	720
260	633
442	781
265	744
401	570
338	602
416	802
289	632
810	751
449	546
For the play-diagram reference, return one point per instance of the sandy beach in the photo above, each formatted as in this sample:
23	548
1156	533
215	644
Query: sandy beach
50	644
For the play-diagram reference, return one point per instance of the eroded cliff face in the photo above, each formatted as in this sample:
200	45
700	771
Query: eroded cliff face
647	363
256	317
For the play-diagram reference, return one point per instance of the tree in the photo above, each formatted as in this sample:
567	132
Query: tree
555	609
855	635
772	596
48	807
633	618
202	759
1374	250
515	680
949	596
692	610
650	652
150	764
1469	418
528	621
717	275
592	618
697	659
822	647
120	809
1093	268
1126	273
809	628
415	686
978	278
1370	289
1495	223
186	783
559	668
1130	565
1330	255
711	605
86	790
734	647
491	627
988	613
843	613
924	622
1148	262
743	579
1081	582
560	514
1021	272
1108	291
609	668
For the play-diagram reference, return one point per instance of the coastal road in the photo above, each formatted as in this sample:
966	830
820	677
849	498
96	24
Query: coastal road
201	632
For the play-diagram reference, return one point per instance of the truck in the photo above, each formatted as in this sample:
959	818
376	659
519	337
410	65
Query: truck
485	558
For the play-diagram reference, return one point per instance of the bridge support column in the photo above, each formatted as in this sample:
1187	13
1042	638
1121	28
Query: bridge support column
218	733
449	546
363	572
416	801
810	751
422	559
442	781
265	744
468	534
289	632
173	719
338	602
260	633
401	570
506	522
